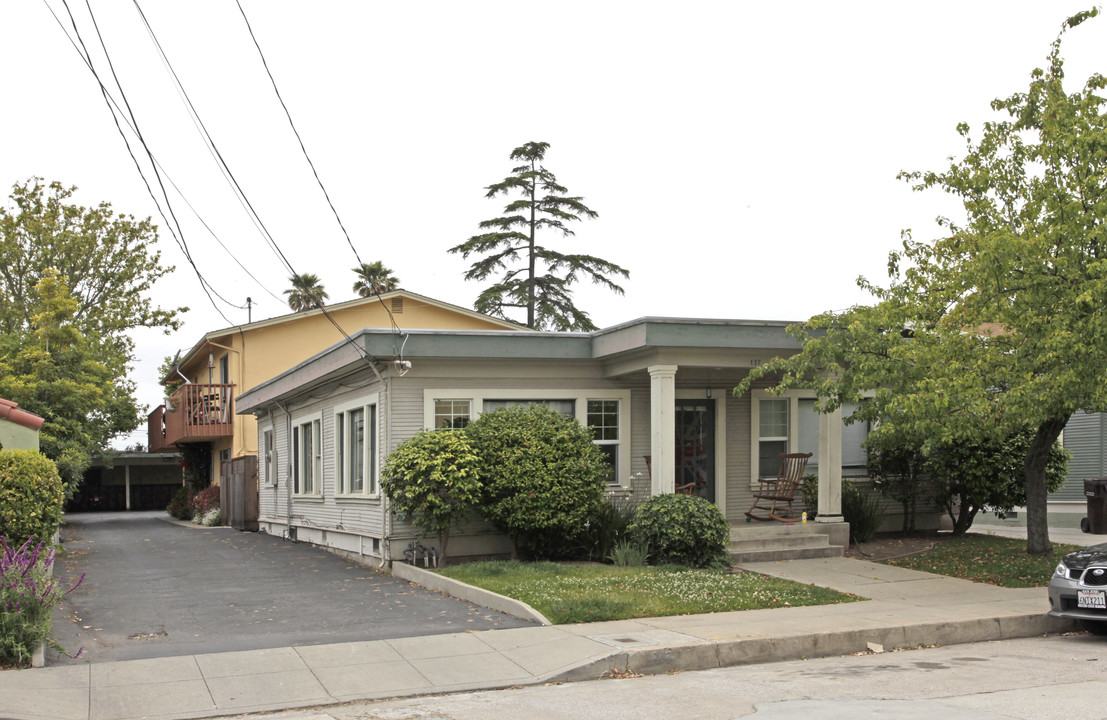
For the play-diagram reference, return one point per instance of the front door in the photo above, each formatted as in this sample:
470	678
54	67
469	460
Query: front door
695	447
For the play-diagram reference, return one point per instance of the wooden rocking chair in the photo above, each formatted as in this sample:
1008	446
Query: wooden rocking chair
775	494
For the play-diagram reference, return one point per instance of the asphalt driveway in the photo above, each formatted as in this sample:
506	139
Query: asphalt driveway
157	589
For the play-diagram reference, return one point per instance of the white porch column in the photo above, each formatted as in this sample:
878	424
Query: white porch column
662	429
127	483
830	467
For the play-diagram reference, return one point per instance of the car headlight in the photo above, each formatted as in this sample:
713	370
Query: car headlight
1061	570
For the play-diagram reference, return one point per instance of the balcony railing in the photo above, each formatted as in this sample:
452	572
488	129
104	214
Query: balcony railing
195	412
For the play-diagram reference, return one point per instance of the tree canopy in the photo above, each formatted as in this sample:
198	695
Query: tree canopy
74	281
306	292
533	276
75	381
108	261
373	279
998	326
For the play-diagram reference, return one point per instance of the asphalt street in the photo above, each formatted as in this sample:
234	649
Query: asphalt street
156	589
1048	678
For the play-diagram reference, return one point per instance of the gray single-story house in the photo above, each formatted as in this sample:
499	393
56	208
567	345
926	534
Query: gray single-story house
656	391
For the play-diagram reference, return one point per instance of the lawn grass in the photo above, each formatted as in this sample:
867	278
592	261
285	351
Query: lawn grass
591	593
987	559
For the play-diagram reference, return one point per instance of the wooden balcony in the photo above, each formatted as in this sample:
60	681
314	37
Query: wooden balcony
194	413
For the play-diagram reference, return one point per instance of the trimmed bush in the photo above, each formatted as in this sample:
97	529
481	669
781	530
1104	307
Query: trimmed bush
543	477
681	530
32	496
435	479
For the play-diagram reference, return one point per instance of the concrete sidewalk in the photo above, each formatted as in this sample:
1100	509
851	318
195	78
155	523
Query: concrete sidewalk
907	608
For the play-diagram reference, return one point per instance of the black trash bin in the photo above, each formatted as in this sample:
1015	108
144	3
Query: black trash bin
1095	490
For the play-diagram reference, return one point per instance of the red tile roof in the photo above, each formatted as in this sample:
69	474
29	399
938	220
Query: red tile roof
10	411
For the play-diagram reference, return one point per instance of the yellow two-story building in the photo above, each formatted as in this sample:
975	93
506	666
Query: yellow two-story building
200	391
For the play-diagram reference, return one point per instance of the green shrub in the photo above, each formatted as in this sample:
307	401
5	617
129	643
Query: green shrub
628	554
809	488
180	506
32	496
681	530
606	528
543	477
862	511
435	478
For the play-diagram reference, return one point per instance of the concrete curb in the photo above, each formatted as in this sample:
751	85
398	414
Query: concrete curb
745	651
469	593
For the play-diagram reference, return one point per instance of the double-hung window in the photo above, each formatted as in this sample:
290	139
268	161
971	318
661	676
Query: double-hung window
355	448
267	458
605	411
452	414
307	447
603	418
790	424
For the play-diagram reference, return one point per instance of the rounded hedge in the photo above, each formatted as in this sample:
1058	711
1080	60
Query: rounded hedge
681	530
32	496
543	476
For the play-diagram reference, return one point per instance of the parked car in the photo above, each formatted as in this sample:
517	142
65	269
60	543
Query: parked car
1078	589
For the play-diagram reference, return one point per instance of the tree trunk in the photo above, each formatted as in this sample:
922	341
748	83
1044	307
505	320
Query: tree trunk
1034	470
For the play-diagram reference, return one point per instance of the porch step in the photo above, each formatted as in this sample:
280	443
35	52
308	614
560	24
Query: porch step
780	542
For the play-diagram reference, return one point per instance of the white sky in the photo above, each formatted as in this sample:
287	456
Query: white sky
742	156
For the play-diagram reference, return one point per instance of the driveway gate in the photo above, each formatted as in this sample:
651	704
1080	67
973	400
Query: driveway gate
238	495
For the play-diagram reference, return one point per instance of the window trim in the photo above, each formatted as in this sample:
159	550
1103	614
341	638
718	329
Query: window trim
315	420
370	405
266	454
477	396
793	397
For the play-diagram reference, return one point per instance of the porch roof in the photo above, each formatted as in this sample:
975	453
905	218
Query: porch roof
629	347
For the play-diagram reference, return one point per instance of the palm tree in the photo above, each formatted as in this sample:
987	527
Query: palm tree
373	279
306	292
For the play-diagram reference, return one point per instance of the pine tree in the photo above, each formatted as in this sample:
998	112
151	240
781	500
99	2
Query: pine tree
534	276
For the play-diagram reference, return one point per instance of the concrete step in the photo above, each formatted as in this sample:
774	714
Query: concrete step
770	555
762	542
780	542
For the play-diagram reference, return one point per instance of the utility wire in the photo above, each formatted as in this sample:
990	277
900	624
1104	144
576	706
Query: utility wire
296	132
104	92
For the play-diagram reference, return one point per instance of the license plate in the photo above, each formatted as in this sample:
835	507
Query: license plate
1091	599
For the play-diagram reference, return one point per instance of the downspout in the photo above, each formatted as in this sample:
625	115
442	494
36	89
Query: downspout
386	541
273	461
288	473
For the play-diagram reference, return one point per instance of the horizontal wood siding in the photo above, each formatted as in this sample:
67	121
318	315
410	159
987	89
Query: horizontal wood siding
739	497
1084	439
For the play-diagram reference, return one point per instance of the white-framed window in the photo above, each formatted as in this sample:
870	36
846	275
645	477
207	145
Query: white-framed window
307	456
603	418
788	423
452	414
607	410
268	457
356	448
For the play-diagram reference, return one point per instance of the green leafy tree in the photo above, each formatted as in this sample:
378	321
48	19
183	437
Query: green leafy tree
306	292
534	276
997	327
108	260
435	479
542	474
988	476
373	279
72	379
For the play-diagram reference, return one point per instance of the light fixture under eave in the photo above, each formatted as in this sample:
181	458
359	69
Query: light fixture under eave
402	367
